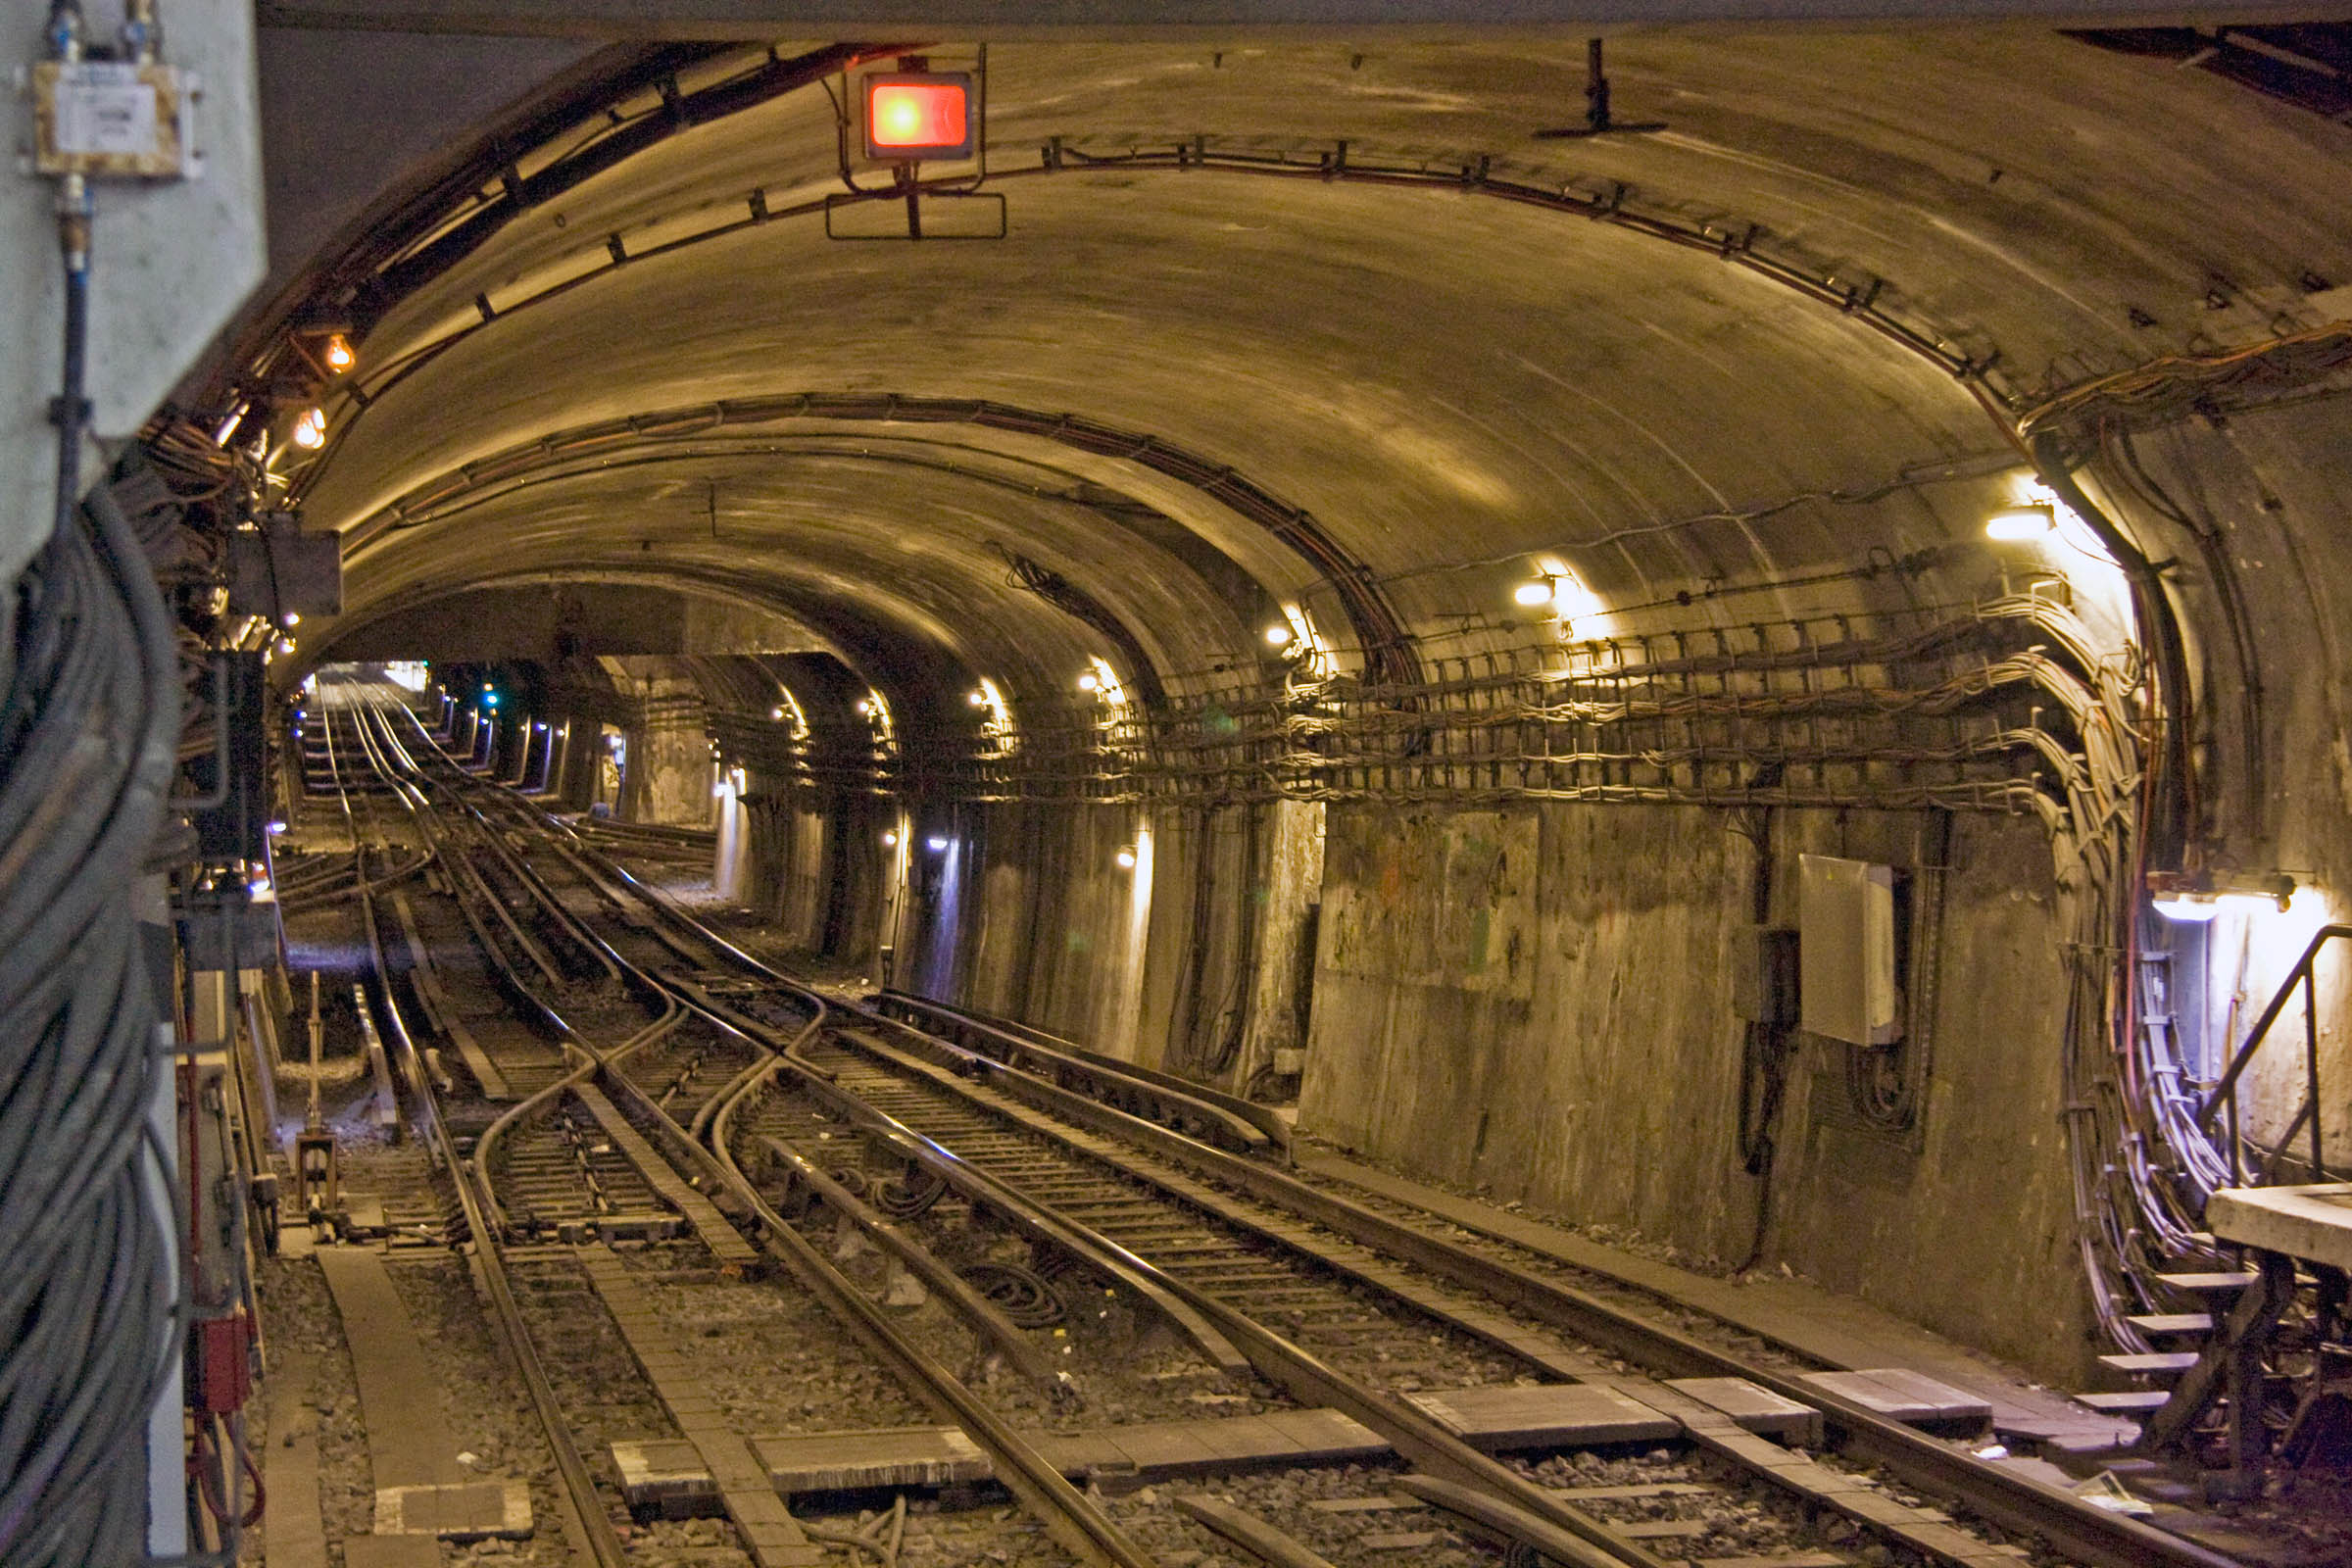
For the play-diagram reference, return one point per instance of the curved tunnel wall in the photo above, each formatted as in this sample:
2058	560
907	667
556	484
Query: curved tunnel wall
1322	340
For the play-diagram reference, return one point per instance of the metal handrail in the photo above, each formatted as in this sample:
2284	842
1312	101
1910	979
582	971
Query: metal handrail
2226	1087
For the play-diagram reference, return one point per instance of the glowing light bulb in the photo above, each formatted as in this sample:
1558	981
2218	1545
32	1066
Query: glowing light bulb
889	838
1536	591
1278	635
776	711
936	843
337	354
976	697
310	431
1089	681
289	620
1126	860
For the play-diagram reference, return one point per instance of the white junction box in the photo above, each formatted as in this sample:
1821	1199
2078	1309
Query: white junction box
112	120
1848	984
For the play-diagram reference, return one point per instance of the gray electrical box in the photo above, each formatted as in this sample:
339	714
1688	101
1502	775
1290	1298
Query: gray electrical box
1764	974
1845	911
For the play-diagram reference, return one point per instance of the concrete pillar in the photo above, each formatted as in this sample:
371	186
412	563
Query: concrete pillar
1282	985
667	776
731	861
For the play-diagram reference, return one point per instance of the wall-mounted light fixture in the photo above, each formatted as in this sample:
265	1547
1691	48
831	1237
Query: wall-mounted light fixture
1125	856
936	843
976	697
310	431
889	839
1535	591
1279	635
336	353
1089	681
2203	894
2013	524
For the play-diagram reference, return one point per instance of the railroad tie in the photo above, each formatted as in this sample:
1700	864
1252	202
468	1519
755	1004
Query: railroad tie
767	1526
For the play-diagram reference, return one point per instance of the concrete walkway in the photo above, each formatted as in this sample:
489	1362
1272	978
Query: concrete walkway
1806	1320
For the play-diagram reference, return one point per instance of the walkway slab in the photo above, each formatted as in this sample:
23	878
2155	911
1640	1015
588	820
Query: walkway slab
294	1532
421	1490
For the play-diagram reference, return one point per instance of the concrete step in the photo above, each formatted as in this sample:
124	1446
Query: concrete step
2139	1401
2172	1323
2229	1283
2155	1363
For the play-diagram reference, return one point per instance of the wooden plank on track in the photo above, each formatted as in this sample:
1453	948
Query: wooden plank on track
766	1526
736	1256
653	1473
1546	1415
295	1532
426	981
400	1395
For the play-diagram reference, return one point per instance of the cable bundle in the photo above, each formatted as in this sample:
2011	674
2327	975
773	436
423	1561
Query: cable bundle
88	732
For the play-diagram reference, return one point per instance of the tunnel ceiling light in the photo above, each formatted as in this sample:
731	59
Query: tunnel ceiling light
976	697
936	843
1089	681
336	351
864	707
911	116
1125	858
2202	894
1537	591
310	431
1278	635
776	711
2017	523
889	838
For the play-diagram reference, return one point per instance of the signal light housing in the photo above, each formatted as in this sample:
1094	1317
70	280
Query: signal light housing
914	116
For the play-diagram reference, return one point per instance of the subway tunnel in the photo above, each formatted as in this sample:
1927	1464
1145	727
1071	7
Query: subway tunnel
1726	635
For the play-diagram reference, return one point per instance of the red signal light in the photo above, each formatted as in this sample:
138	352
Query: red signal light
915	116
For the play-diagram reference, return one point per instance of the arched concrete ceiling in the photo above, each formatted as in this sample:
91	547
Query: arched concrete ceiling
1450	383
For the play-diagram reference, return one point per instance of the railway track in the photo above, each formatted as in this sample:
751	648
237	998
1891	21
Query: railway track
945	1150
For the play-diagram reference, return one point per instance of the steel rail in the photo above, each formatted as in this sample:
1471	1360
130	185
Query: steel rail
1304	1377
1067	1513
584	1520
1263	1118
2093	1534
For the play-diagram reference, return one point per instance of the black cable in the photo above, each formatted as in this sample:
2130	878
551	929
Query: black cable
88	729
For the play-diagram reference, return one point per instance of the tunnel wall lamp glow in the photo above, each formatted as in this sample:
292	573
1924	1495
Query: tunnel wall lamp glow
310	431
2017	523
937	844
1125	858
2199	896
1536	591
1279	635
